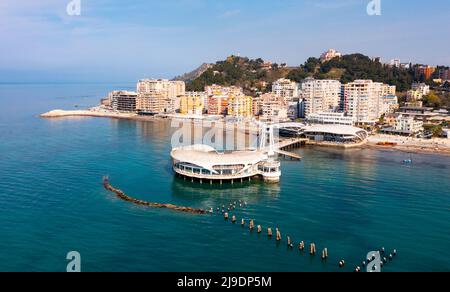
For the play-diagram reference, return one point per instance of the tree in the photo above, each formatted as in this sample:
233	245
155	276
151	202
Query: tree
297	75
432	100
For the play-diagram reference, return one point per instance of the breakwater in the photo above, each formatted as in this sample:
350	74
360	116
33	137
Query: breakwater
120	194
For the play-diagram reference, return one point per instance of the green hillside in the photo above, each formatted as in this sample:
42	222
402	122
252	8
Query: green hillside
253	76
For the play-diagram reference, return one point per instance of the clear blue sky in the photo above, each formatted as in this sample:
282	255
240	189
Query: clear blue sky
116	40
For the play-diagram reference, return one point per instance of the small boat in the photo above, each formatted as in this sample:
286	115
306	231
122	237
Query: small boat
390	144
408	161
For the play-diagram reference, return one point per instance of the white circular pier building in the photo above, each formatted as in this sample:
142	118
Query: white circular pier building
205	164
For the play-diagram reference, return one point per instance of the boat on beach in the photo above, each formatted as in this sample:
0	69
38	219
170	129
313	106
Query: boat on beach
387	144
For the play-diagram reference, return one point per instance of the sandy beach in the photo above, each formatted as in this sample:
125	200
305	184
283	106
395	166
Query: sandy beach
408	144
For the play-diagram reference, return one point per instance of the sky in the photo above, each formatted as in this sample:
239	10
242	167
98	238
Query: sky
122	41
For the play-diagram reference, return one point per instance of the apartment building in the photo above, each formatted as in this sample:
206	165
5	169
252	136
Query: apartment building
285	88
123	101
219	98
444	74
422	89
193	103
159	95
363	100
424	71
240	106
389	104
320	95
273	107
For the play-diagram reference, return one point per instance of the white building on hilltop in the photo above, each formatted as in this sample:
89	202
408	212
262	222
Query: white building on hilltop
329	55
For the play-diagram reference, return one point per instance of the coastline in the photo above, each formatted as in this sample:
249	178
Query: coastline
96	113
410	145
404	144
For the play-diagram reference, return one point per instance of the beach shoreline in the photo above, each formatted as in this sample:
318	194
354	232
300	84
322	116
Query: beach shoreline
402	144
438	146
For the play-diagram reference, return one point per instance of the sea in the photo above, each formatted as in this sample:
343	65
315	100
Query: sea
52	201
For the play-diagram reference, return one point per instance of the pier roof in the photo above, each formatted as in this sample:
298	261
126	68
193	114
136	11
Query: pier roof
334	129
207	157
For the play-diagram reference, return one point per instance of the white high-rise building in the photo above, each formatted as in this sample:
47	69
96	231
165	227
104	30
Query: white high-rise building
286	89
363	100
320	95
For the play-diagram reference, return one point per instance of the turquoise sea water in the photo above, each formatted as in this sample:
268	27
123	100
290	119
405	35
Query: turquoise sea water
52	200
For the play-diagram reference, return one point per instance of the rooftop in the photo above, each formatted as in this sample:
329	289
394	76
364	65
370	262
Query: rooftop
334	129
207	157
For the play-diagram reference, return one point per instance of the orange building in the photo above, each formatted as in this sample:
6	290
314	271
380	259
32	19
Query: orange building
425	71
217	104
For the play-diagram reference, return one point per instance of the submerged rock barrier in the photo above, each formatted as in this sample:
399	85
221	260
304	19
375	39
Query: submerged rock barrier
120	194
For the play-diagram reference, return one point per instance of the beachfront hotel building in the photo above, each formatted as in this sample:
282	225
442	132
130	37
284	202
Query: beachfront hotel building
286	89
123	101
159	95
363	100
320	95
193	103
240	106
407	125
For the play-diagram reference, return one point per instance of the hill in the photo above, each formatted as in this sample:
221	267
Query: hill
188	77
352	67
251	75
255	76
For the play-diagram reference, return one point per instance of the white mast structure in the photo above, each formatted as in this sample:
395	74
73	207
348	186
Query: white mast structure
267	134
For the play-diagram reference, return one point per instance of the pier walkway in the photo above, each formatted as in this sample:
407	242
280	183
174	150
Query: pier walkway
281	147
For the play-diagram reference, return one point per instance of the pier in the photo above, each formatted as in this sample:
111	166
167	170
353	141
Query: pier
281	147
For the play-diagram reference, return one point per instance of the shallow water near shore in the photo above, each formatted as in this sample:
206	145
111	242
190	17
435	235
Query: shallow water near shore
52	200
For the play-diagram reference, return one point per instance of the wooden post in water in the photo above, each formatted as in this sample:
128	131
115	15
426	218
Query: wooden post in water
312	249
252	224
301	246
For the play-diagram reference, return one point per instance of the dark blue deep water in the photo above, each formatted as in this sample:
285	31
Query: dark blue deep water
52	200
